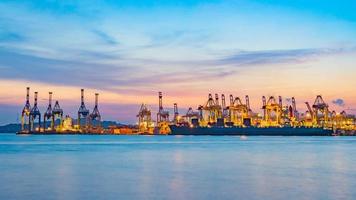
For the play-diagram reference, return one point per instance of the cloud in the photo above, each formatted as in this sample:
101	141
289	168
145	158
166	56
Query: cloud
195	38
7	36
105	75
247	58
106	38
104	70
339	102
243	58
62	72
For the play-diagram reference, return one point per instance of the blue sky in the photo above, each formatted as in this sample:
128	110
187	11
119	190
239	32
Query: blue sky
129	50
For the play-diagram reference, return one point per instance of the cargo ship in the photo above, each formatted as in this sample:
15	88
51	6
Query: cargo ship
250	131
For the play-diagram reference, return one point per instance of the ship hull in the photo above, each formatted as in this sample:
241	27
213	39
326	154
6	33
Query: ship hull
250	131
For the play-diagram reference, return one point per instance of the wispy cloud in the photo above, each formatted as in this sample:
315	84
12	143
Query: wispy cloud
187	38
57	71
247	58
105	37
7	36
128	73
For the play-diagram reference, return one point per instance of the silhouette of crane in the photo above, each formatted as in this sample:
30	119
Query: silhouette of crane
83	112
35	114
25	116
48	114
95	117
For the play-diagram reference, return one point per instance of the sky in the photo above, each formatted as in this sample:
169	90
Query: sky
128	50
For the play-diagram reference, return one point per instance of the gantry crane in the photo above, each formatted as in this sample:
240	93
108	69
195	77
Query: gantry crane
293	113
25	116
57	114
225	111
285	119
83	112
211	111
230	119
162	117
35	114
272	112
145	123
308	119
95	117
48	115
238	112
247	99
320	112
338	119
176	117
192	117
289	114
342	121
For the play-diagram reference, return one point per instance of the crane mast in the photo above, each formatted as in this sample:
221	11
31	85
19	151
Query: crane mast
25	116
145	123
83	112
176	113
95	116
57	114
35	114
48	114
162	117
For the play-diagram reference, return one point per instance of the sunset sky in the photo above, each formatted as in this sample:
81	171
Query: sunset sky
128	50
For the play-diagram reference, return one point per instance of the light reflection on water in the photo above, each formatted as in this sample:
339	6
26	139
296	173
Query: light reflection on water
168	167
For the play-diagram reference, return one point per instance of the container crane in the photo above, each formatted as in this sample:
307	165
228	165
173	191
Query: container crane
216	99
294	108
25	116
176	113
95	117
342	121
83	112
225	112
145	123
264	102
320	112
309	116
310	110
211	111
192	117
272	111
280	101
57	114
48	115
35	114
247	99
162	117
231	100
231	119
293	113
239	113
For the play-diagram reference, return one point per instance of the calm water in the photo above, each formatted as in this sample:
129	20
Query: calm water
170	167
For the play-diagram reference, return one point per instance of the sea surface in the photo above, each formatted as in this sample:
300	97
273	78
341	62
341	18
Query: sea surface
177	167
